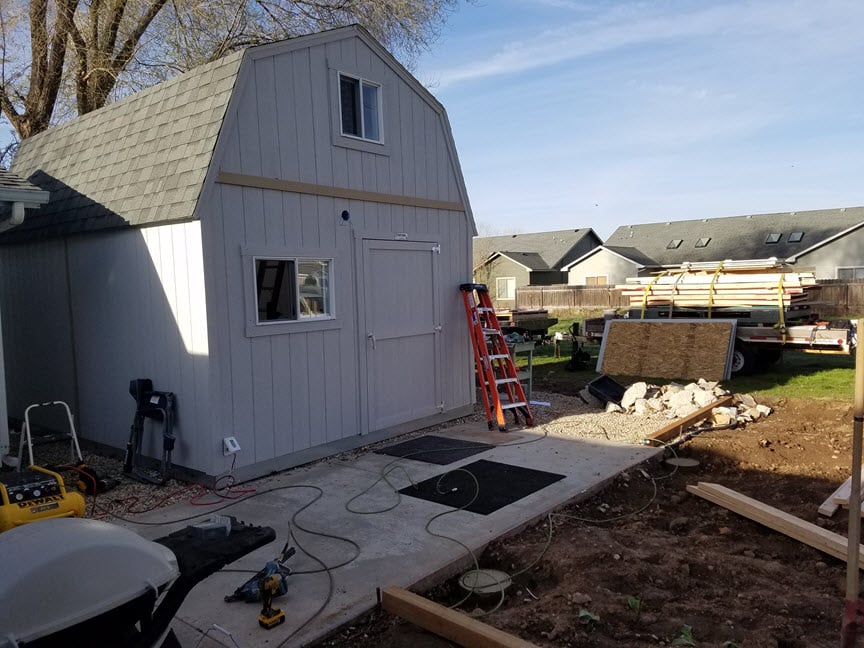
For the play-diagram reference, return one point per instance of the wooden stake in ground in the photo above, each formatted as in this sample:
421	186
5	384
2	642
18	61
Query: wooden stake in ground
447	623
853	610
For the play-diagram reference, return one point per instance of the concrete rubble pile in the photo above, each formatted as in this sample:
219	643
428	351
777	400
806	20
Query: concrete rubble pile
677	401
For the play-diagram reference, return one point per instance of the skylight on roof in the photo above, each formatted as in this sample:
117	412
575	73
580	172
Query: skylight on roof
773	238
795	237
703	242
674	244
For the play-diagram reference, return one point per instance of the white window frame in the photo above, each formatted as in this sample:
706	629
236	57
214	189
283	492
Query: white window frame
605	278
380	97
254	327
854	269
498	281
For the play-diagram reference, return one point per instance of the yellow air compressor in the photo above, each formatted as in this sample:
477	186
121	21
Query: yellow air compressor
35	494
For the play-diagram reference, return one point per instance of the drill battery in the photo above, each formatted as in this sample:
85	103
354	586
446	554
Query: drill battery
35	494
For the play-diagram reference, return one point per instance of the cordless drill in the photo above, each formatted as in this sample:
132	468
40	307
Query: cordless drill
269	586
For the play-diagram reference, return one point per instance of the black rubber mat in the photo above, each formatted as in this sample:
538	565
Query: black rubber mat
435	449
497	486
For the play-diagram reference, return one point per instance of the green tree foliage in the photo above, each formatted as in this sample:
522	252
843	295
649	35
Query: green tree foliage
66	57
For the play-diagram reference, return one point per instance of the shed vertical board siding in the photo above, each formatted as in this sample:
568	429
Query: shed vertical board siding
37	336
291	391
133	318
212	205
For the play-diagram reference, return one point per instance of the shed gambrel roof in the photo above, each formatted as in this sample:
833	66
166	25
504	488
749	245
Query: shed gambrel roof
140	160
548	249
735	237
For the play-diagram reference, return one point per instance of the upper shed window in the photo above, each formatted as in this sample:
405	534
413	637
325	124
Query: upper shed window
360	108
795	237
773	238
702	242
674	244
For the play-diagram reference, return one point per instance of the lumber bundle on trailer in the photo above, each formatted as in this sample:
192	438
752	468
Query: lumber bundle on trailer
685	287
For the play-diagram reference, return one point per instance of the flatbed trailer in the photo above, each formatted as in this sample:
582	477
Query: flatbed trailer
761	334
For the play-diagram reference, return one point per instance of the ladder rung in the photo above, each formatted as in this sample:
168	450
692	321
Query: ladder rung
499	356
485	309
502	381
510	406
490	331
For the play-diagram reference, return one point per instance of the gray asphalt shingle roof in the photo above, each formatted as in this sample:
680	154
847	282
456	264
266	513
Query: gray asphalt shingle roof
735	237
550	247
531	260
140	160
13	184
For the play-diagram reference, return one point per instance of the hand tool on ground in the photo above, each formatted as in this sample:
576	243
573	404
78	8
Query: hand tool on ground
270	586
250	591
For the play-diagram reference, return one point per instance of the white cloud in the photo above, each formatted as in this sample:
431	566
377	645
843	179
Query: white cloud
788	25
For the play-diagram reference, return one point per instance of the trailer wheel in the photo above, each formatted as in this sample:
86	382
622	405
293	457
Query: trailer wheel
743	360
767	357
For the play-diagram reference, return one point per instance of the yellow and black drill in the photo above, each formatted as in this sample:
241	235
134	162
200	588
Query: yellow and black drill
270	586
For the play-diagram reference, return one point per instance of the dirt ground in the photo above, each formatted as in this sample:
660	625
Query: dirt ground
654	560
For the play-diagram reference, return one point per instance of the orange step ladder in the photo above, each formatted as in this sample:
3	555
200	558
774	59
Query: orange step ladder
496	371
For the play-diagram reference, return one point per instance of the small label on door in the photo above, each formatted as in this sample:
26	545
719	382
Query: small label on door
401	236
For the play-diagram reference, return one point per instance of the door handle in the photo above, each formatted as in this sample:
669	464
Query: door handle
371	337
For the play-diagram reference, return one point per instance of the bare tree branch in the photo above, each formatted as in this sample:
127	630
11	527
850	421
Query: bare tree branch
119	46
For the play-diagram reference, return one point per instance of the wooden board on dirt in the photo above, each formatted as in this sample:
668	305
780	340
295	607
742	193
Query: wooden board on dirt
678	348
825	541
447	623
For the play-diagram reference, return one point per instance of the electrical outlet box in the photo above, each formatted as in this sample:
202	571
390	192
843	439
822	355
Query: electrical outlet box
230	446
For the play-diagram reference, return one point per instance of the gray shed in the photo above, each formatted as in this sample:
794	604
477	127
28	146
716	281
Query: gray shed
277	237
16	197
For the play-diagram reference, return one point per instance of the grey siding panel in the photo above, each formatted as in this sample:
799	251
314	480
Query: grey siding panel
286	115
844	252
133	318
614	267
37	337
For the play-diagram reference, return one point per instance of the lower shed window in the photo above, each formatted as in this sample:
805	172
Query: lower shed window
293	289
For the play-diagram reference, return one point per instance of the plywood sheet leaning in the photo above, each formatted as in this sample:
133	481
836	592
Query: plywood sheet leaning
677	348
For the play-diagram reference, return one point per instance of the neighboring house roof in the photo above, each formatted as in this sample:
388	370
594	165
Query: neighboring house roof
528	260
627	253
736	237
140	160
551	247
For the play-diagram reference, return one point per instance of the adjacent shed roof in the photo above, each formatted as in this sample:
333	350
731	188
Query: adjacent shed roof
549	249
140	160
756	236
14	188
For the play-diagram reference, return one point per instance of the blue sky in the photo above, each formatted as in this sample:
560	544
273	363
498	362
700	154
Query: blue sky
592	113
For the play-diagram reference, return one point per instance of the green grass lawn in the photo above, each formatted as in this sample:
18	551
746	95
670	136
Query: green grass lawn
796	375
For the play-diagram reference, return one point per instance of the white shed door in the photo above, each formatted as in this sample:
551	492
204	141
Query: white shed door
402	317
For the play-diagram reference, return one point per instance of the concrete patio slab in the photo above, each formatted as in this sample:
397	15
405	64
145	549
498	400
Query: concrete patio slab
393	545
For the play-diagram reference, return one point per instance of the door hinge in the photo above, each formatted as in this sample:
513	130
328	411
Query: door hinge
441	406
437	248
439	328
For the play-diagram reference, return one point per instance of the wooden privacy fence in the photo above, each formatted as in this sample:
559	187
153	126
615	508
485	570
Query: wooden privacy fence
837	297
562	297
841	297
